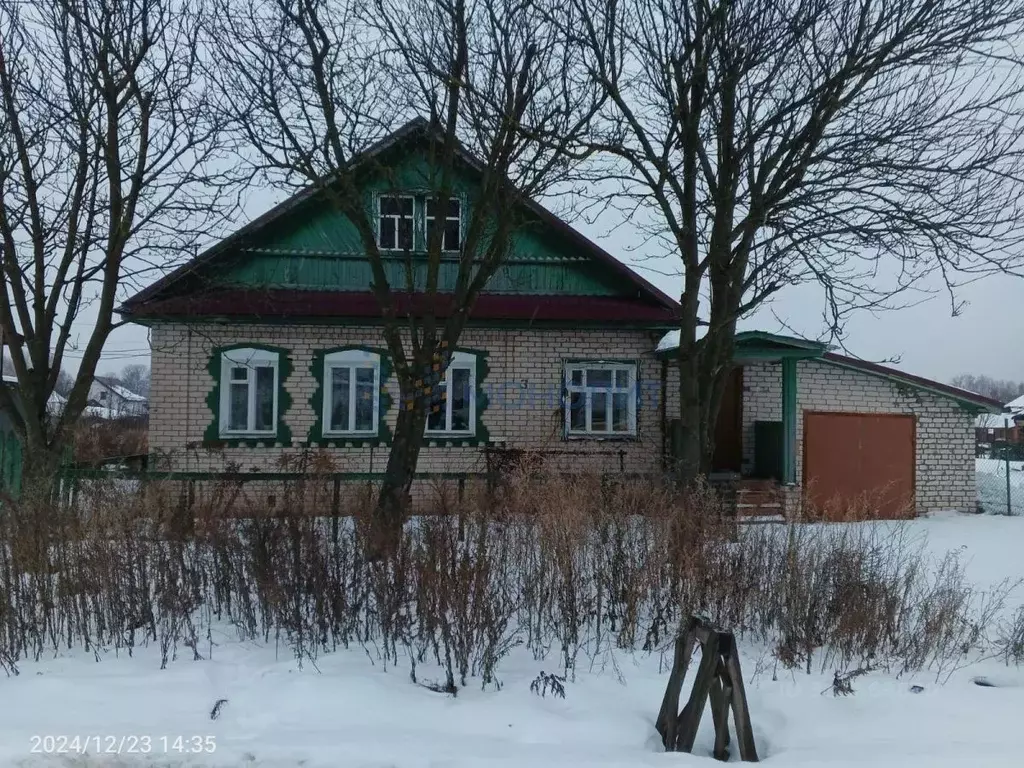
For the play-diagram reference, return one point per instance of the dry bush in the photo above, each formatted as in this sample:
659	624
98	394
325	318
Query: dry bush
96	441
569	566
1010	641
867	505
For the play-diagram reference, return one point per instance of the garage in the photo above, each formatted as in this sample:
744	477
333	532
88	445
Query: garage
859	465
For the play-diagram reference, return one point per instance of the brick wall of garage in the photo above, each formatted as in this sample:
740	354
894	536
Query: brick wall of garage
945	435
524	378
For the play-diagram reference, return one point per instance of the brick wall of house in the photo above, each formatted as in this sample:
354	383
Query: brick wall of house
945	436
524	382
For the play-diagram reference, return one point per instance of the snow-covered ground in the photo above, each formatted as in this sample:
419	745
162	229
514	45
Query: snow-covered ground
348	711
990	475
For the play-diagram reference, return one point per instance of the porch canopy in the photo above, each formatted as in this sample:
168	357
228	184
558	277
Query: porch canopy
761	347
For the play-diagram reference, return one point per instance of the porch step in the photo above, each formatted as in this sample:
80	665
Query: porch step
762	519
753	497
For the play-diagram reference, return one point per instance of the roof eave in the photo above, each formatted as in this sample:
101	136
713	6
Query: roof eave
975	403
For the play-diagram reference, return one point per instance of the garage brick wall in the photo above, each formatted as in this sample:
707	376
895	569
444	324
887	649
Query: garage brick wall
945	435
524	382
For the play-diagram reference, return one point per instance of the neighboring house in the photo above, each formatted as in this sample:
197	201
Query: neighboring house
1004	428
270	344
111	400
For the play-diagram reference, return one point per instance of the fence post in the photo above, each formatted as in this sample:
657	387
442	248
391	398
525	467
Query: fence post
1009	502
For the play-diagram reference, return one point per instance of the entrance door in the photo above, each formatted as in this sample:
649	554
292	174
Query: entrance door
728	454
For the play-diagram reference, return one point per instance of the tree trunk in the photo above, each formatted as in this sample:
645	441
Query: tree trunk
393	502
688	466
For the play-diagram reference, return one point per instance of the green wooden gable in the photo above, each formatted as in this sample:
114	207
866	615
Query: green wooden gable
315	247
306	244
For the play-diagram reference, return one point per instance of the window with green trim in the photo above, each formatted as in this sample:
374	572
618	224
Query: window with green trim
453	402
249	392
351	393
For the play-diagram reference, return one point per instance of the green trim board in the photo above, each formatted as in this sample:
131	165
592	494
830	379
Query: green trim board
794	342
316	432
761	346
283	435
789	413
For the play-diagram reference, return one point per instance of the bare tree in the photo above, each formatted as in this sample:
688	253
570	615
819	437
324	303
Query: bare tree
314	84
136	378
105	141
863	145
65	381
1003	390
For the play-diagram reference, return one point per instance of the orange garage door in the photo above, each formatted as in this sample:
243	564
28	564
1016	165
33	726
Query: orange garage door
859	465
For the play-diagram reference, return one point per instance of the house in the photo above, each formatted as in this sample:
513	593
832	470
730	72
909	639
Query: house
1000	429
270	344
109	399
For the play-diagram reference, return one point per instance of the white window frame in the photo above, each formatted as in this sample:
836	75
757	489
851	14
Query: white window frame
412	218
351	359
590	392
428	219
252	359
463	360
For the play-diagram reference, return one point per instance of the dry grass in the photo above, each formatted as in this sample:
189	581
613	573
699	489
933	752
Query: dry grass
567	567
96	441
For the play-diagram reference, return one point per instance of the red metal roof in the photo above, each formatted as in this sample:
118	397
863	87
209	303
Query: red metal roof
236	302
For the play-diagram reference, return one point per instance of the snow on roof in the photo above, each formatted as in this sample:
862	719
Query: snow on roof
1016	405
127	394
671	339
99	412
123	392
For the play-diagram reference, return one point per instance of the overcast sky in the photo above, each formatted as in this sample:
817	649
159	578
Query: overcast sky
926	340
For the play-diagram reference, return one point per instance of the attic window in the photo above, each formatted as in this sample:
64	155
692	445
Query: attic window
451	239
395	226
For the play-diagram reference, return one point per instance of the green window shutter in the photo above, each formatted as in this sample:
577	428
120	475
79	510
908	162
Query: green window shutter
283	434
